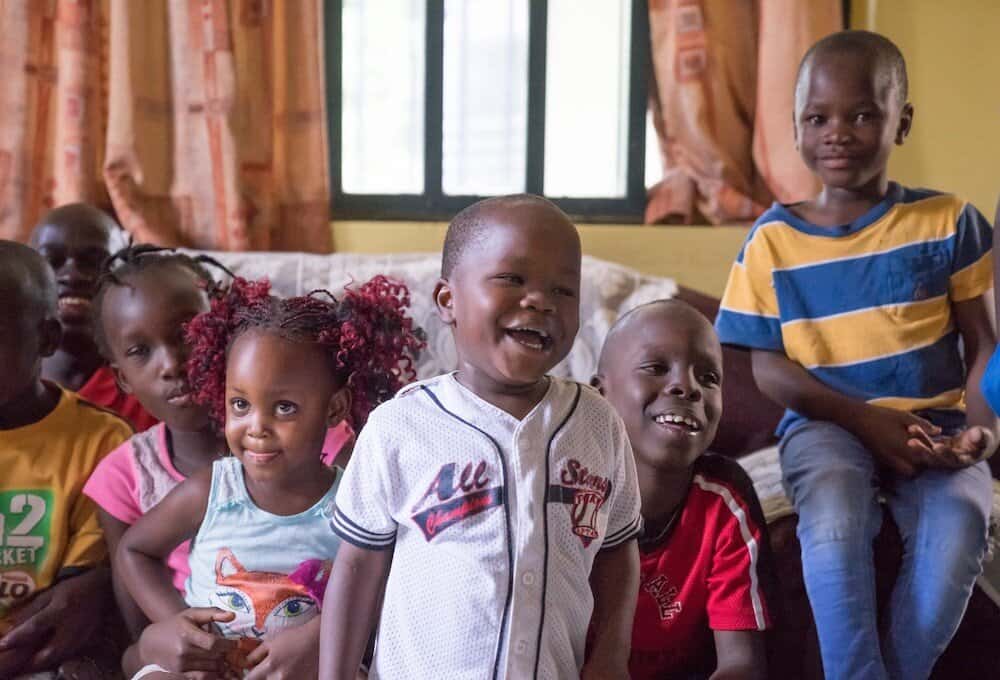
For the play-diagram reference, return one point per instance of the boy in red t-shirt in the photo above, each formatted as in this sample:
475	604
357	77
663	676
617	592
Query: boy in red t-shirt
706	567
76	239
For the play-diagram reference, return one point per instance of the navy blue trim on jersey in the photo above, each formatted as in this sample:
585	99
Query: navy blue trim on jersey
626	533
545	525
352	532
506	510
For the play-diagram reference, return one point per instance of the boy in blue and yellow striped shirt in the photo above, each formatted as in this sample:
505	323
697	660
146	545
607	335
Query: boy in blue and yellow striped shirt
864	310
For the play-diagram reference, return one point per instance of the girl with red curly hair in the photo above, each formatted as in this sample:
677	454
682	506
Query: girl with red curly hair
276	374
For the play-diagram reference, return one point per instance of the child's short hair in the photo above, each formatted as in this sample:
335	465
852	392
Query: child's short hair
26	274
882	53
133	259
469	226
75	214
368	337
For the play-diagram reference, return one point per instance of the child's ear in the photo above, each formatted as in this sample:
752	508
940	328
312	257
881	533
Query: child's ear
905	123
49	336
444	301
597	382
339	406
120	380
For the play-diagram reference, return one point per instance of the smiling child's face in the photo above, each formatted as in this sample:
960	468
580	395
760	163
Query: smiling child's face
663	375
76	252
848	117
279	403
513	299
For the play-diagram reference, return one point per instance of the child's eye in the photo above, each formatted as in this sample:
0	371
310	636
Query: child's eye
239	405
814	120
566	292
711	378
513	279
137	351
653	369
863	117
285	408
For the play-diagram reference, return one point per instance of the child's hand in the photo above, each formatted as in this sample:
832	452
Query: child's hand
52	624
293	653
966	448
898	439
182	644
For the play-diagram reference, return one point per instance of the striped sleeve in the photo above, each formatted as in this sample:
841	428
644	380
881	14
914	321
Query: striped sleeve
624	518
362	514
741	579
748	314
972	264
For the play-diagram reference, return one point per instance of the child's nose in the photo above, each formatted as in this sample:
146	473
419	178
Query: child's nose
173	363
258	425
683	386
837	132
538	300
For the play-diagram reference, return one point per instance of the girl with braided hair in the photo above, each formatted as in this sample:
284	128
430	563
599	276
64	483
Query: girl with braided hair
275	374
143	297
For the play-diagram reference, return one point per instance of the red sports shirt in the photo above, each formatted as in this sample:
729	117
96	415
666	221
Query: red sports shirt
711	571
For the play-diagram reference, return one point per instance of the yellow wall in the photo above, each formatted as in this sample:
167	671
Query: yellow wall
697	257
954	71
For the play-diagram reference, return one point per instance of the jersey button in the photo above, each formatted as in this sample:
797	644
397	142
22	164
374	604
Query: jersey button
528	579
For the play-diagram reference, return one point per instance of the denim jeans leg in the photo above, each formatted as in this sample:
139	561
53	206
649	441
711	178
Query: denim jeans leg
831	479
942	517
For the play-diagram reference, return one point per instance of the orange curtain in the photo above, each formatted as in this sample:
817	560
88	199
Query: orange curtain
213	112
51	109
722	104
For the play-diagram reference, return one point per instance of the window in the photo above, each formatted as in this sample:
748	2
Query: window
435	104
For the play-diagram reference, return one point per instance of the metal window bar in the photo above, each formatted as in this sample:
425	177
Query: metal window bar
433	204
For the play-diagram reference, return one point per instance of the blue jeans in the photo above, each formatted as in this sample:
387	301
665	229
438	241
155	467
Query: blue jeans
942	517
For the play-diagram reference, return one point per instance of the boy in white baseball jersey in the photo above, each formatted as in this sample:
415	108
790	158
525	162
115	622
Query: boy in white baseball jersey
496	505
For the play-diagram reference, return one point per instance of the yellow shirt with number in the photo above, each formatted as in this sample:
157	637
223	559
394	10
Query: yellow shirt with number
46	523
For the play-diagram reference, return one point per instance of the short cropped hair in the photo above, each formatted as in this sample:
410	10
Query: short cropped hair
882	54
677	304
26	275
468	228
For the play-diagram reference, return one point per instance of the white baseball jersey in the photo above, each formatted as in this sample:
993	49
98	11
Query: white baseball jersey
495	524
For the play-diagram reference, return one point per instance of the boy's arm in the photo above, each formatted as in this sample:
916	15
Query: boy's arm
979	440
740	655
614	581
350	609
898	439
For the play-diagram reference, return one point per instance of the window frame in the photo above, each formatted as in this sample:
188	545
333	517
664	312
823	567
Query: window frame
433	204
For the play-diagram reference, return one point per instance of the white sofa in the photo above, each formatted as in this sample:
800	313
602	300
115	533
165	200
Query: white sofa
608	290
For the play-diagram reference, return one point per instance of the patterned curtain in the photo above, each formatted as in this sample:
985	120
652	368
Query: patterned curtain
203	121
724	71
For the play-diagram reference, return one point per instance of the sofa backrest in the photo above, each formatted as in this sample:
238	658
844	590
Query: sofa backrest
608	290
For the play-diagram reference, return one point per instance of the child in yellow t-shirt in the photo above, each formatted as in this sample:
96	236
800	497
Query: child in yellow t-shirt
54	586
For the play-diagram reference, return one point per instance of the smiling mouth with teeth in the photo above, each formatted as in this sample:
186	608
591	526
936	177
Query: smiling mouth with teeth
73	302
690	424
532	338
